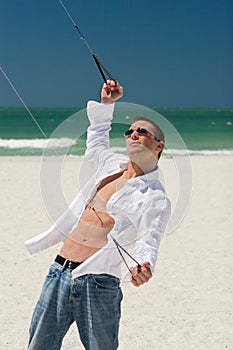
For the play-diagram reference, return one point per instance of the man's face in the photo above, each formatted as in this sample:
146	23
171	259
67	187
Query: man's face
145	143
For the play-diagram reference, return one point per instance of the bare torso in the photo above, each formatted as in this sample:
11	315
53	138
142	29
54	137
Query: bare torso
91	233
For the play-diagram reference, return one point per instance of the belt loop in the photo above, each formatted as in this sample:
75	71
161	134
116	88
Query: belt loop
64	265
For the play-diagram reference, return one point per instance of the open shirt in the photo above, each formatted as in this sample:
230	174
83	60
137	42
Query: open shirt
141	209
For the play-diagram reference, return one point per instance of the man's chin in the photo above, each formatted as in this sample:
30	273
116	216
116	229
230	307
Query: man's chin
135	150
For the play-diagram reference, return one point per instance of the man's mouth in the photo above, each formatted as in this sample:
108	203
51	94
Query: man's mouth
134	143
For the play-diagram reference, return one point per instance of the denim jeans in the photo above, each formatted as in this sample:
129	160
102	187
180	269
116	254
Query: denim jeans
92	301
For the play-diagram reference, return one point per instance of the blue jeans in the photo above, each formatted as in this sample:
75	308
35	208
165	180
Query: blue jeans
92	301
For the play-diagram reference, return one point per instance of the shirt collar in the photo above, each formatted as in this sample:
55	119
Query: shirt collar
146	180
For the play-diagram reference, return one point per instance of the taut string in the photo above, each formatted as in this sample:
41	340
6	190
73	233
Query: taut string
22	101
99	64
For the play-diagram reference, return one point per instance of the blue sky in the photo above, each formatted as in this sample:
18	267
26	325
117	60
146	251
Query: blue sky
166	53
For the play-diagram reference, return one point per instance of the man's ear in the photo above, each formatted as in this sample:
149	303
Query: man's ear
160	146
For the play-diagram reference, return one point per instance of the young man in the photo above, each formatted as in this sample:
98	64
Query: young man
123	202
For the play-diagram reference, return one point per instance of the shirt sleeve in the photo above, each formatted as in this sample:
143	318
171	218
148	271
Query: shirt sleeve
151	229
97	145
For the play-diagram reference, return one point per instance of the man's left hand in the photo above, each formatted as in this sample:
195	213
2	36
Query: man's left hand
141	275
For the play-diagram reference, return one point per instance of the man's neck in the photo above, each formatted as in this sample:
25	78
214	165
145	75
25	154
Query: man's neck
135	170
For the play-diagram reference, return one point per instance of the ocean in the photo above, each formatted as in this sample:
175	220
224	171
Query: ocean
202	131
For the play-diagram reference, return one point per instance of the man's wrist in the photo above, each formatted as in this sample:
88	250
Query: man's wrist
106	103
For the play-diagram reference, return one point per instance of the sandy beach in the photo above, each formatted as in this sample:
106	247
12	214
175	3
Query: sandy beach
187	305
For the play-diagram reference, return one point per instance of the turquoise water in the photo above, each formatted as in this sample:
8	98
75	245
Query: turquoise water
204	131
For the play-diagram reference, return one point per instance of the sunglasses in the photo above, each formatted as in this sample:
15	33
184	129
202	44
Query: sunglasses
140	131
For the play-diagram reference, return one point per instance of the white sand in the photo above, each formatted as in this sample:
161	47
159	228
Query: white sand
187	305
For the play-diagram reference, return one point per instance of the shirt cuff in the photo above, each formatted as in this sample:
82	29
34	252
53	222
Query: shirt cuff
97	112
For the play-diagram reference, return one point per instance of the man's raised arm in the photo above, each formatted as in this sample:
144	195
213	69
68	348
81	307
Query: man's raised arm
100	117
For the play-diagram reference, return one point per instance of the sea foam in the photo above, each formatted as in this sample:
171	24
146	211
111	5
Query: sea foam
36	143
55	143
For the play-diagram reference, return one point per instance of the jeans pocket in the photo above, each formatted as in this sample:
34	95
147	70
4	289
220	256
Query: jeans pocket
106	281
53	271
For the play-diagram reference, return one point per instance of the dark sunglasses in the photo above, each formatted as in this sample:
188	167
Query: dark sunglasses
140	131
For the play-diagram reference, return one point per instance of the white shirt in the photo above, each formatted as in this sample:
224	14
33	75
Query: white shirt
141	209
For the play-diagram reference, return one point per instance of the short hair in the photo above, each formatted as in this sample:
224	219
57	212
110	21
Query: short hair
158	133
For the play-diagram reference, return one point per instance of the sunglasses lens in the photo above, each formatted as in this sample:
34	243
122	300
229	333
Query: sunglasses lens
128	132
141	131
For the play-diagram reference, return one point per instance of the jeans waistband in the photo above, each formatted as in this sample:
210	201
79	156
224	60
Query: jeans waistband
67	264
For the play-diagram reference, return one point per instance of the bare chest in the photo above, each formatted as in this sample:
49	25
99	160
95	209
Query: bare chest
105	192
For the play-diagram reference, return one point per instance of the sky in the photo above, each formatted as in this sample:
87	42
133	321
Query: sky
165	53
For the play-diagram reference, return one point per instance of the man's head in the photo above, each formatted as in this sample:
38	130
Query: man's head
144	135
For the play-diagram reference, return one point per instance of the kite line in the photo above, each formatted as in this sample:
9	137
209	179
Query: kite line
22	101
99	64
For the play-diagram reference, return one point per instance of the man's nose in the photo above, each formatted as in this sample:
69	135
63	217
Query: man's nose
134	135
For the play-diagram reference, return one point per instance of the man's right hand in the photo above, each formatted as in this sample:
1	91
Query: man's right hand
111	92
